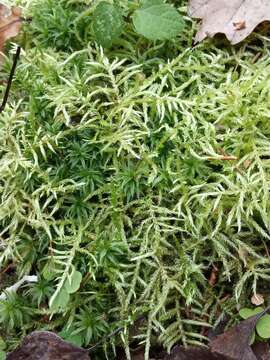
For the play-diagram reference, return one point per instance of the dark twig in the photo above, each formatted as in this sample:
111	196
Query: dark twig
112	334
11	75
102	341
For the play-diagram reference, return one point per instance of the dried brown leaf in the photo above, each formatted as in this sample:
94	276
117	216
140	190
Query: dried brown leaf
262	350
214	276
257	299
234	343
234	18
193	353
45	345
10	24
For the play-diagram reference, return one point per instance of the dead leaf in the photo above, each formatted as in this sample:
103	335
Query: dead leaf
234	343
193	353
257	299
45	345
214	276
10	23
234	18
262	350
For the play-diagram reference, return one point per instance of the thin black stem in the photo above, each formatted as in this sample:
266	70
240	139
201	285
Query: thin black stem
102	341
10	79
115	332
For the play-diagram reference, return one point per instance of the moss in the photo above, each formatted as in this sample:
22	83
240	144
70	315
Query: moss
143	166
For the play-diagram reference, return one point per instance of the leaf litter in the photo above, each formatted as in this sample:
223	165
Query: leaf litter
231	345
10	23
234	18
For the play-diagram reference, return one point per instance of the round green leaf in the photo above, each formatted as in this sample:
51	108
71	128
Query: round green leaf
73	282
59	300
3	355
107	23
157	21
263	327
246	313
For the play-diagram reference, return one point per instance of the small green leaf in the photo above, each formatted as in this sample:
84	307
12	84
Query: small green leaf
3	355
2	344
246	313
157	21
75	339
73	282
107	23
263	327
47	271
59	300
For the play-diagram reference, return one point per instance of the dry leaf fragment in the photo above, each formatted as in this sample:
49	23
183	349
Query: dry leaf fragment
262	350
257	299
45	345
247	164
234	343
10	24
222	16
239	25
193	353
213	277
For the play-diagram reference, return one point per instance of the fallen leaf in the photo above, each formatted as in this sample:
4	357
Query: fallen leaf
262	350
234	18
193	353
10	24
214	276
257	299
45	345
234	343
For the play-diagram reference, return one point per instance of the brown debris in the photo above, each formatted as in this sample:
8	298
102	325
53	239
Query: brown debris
214	276
44	345
239	25
10	24
234	18
193	353
262	350
234	344
230	345
257	299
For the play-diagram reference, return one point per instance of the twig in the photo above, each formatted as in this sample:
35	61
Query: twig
225	158
15	287
112	334
10	79
115	332
256	57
